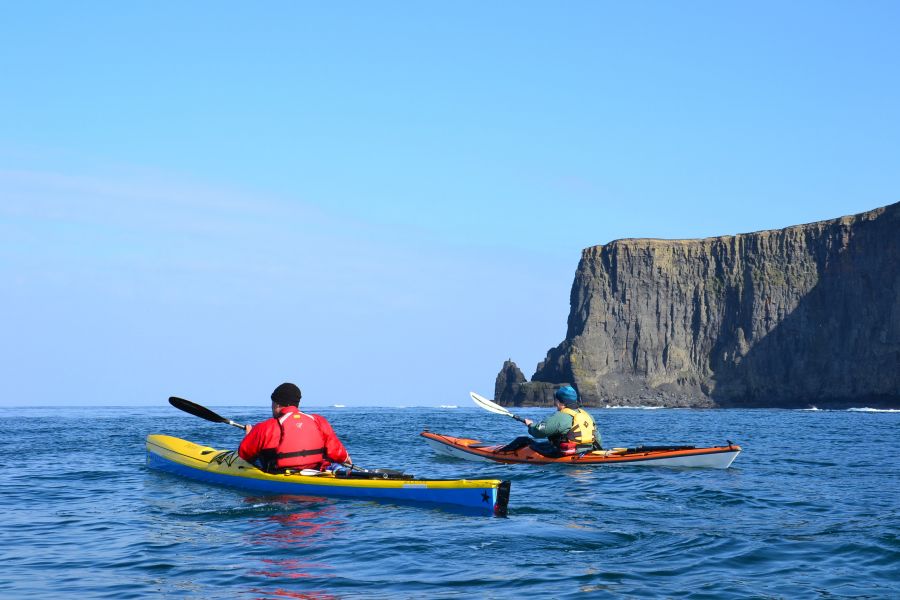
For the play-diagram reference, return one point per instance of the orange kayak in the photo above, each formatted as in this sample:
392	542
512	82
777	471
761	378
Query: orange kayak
715	457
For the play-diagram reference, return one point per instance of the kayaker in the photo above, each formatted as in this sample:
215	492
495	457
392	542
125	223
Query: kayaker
292	439
570	430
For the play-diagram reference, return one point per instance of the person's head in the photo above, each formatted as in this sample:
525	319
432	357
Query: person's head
566	396
286	394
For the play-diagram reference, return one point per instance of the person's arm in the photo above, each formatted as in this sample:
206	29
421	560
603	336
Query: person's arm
253	443
552	425
334	449
537	430
598	441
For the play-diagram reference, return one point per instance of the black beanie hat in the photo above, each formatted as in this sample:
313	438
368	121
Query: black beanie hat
286	394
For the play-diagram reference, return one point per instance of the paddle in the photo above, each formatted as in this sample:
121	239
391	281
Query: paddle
492	407
201	411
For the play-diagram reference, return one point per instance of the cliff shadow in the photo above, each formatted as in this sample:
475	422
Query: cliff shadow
840	346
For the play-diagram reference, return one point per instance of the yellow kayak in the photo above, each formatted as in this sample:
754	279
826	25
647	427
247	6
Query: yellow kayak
225	467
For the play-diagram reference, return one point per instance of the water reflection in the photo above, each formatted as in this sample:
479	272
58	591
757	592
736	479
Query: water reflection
282	593
292	533
298	529
582	474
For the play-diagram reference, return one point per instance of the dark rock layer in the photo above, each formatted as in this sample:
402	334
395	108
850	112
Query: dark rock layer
807	315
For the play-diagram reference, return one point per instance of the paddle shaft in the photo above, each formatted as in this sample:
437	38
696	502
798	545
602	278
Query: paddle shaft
201	411
517	418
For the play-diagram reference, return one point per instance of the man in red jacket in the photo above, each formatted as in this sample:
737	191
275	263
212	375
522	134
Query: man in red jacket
291	439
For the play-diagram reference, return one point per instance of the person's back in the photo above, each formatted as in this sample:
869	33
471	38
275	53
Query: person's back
570	429
291	439
581	435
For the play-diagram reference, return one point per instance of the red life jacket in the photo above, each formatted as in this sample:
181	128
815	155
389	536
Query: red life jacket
302	444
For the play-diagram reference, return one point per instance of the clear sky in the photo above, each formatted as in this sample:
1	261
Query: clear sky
383	201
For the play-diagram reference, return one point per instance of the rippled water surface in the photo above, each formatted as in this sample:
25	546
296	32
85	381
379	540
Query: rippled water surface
808	510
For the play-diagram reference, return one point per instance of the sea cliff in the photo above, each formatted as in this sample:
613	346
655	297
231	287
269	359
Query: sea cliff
806	315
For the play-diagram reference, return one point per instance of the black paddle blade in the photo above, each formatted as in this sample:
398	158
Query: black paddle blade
196	410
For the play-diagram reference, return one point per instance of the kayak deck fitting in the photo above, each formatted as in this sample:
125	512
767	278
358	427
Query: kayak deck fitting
225	467
716	457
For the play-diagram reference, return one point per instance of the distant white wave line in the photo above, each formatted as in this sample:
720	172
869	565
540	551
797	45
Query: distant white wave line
637	407
449	406
878	410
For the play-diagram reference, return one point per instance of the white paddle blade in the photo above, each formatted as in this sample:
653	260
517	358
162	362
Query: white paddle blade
488	405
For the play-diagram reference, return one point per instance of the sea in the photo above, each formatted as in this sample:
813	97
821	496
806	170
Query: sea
810	509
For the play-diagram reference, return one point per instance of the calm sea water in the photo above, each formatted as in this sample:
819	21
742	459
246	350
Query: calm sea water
810	509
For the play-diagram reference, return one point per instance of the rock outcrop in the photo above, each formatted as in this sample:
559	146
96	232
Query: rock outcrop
807	315
515	390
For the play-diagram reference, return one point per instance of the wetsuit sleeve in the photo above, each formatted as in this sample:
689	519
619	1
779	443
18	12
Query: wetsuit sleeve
555	424
254	442
334	449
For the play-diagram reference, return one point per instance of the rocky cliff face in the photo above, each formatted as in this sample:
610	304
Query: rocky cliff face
807	315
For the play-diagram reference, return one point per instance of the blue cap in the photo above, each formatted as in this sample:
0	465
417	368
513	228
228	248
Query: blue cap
566	394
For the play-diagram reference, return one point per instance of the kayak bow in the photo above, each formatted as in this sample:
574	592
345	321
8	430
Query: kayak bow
224	467
716	457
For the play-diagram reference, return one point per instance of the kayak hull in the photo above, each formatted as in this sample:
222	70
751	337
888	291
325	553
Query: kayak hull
715	457
221	467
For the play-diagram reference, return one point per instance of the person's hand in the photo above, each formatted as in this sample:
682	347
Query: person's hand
247	428
528	422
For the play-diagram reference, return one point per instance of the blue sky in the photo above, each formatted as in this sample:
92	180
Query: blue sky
384	201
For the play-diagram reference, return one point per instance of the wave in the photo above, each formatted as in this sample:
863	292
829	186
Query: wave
875	410
637	407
